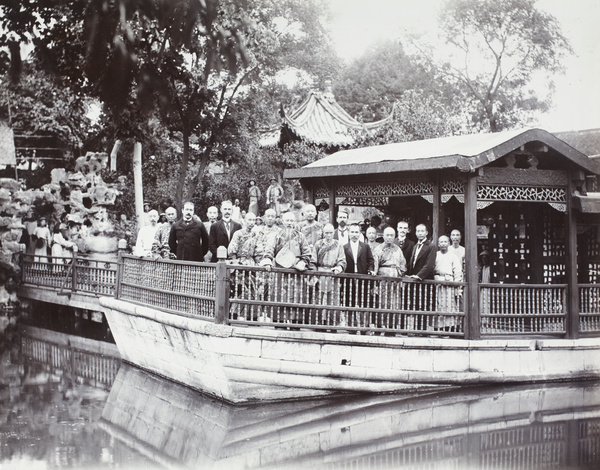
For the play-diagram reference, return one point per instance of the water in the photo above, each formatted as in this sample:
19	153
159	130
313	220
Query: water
52	417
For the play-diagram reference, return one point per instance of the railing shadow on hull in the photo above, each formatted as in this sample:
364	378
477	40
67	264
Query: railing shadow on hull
313	300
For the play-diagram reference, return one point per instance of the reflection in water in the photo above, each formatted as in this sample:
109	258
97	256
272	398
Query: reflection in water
510	427
150	422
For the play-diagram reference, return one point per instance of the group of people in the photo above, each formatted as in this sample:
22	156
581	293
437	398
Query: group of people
47	245
309	245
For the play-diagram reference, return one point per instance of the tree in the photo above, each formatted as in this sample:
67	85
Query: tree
494	52
418	115
191	65
368	86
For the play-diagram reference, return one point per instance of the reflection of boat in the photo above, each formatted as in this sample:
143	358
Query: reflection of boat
548	426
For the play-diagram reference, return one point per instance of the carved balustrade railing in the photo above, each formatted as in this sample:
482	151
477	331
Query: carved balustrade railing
522	308
589	308
345	302
315	300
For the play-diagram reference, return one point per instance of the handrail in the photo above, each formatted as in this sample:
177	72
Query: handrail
252	295
87	275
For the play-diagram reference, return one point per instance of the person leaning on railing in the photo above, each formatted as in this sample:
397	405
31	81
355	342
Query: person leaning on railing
288	249
420	267
327	257
448	267
389	262
359	260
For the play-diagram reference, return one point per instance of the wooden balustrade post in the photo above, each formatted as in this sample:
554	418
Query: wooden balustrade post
119	276
74	272
221	290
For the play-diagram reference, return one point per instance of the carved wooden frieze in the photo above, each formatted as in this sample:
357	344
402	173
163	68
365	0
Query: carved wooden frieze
387	189
453	187
520	193
321	192
364	201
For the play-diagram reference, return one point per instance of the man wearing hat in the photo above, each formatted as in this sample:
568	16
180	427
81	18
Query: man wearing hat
274	195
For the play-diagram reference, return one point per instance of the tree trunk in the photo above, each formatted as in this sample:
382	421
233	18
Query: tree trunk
185	158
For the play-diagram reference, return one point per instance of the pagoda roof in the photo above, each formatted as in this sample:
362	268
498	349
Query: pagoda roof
465	153
320	120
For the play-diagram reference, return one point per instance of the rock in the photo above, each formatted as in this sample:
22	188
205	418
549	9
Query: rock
59	175
12	185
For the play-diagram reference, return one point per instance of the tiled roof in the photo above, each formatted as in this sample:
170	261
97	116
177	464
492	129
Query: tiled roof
464	152
320	120
587	141
7	146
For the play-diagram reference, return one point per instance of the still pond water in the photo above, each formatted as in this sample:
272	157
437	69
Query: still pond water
51	417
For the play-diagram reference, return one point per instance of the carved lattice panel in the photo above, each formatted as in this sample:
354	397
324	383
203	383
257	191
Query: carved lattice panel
453	187
594	270
520	193
554	234
554	249
363	201
375	190
321	192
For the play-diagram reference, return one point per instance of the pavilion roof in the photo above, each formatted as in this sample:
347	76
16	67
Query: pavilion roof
320	120
465	153
586	141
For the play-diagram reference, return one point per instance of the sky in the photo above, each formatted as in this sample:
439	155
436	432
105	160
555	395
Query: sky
356	24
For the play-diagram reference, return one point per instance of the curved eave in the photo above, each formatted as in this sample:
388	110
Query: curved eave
428	155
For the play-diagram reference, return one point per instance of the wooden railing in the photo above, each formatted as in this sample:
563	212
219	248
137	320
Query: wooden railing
589	308
315	300
173	286
345	302
71	274
522	309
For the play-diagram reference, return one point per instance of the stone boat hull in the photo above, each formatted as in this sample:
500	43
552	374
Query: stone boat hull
249	364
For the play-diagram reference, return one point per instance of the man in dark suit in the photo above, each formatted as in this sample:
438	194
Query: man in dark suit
422	259
188	239
402	240
359	260
420	267
222	231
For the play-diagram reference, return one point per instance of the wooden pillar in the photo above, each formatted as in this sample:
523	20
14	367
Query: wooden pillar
309	192
119	275
437	227
572	325
74	272
221	292
332	208
473	315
